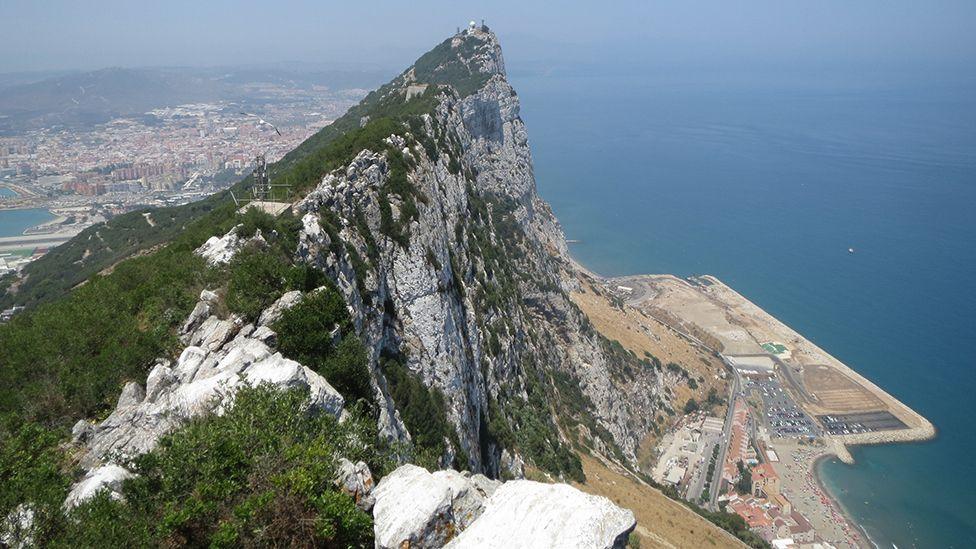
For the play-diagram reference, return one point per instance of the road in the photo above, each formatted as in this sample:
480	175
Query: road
693	493
716	484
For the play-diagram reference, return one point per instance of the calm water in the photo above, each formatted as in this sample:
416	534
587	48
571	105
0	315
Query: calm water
13	222
766	185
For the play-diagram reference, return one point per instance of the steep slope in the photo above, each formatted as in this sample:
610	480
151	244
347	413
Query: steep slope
453	266
420	277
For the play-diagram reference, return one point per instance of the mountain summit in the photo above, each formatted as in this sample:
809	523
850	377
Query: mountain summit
413	306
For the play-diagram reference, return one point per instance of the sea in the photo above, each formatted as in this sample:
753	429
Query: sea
766	181
13	222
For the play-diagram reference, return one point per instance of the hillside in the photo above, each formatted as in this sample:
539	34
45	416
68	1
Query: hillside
82	99
416	298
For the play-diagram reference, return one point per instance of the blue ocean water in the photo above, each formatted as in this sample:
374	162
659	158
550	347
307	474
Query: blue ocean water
13	222
766	181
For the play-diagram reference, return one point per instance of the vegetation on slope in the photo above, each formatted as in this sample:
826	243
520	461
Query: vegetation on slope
103	245
68	357
109	330
319	333
259	475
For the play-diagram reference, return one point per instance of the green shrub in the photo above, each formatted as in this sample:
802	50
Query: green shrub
257	278
424	412
253	220
261	474
68	359
31	471
305	334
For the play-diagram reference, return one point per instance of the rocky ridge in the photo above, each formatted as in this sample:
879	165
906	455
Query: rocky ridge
471	295
475	302
452	265
221	356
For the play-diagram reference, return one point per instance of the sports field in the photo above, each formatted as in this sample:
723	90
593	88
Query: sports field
774	348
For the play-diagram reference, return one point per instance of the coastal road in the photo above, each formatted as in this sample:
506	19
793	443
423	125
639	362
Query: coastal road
723	442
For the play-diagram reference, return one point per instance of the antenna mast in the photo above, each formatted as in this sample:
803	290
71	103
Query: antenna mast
261	191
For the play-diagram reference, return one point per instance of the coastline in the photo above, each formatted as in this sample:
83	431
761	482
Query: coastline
35	234
836	447
836	503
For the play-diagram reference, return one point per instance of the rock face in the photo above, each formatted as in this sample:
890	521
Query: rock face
17	528
415	508
221	356
107	477
523	513
418	509
218	250
475	300
356	480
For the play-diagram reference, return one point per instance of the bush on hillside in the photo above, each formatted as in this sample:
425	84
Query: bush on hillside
306	333
260	475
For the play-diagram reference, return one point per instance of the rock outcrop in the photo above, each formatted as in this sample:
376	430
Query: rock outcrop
451	264
472	293
418	509
107	477
221	357
356	480
523	513
219	250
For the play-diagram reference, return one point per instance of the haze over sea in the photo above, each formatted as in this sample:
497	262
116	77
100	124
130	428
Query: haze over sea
766	181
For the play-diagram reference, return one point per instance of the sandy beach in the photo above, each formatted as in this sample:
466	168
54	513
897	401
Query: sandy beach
798	471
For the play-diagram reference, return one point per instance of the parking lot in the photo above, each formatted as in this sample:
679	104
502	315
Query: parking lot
866	422
782	416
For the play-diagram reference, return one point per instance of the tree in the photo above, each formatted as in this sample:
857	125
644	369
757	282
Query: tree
744	484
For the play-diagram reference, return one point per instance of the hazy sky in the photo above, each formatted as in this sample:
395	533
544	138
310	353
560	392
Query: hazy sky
858	34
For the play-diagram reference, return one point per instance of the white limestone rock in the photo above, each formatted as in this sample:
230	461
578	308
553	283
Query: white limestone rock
513	465
356	480
529	514
420	509
107	477
274	312
81	431
199	313
205	378
219	250
213	333
132	395
265	335
17	528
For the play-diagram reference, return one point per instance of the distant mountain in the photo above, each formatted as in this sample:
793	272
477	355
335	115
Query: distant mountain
85	98
9	79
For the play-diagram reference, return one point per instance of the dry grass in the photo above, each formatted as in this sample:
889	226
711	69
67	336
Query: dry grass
661	522
836	392
640	333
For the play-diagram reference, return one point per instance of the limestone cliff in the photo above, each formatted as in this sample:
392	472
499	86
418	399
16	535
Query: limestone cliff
455	273
471	294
